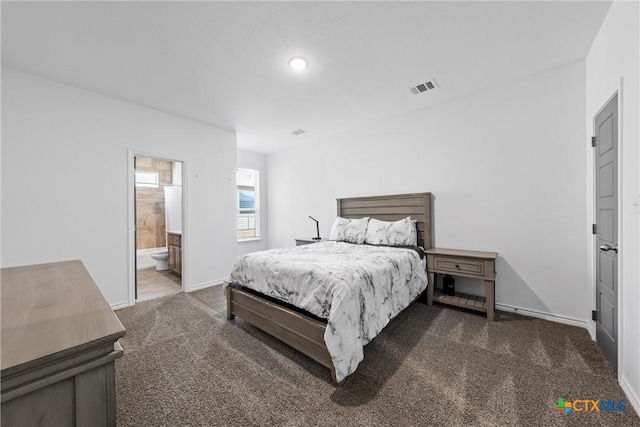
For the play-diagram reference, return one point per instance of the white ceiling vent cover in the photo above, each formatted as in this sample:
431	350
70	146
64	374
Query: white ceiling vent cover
298	132
423	87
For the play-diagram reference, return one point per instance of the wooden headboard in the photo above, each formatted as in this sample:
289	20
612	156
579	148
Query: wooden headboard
393	208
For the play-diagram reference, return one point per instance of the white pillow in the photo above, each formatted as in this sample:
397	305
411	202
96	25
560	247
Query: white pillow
397	233
349	230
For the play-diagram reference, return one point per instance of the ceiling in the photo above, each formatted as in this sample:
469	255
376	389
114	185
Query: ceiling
225	63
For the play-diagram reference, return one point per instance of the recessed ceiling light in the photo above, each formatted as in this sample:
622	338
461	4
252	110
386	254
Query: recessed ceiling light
298	63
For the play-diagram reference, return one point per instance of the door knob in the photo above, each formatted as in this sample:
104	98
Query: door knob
607	248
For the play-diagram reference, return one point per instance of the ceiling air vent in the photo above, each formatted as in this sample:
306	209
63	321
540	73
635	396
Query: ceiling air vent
298	132
423	87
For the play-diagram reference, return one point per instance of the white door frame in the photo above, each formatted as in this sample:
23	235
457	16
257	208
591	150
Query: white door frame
131	220
594	248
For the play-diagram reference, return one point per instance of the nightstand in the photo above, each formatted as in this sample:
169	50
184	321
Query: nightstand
307	241
473	264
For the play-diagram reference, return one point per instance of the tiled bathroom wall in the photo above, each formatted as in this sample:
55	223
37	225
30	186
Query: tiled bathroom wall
150	219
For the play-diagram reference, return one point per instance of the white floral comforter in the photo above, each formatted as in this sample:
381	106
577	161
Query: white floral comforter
357	288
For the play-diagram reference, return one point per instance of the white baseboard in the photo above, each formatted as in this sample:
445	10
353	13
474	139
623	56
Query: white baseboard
591	327
633	399
119	305
546	316
205	285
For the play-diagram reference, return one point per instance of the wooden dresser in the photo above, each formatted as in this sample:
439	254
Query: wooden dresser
59	344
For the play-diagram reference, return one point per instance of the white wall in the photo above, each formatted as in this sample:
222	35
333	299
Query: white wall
256	161
506	166
65	188
612	65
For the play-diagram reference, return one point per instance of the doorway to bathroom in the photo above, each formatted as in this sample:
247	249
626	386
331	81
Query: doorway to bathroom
158	226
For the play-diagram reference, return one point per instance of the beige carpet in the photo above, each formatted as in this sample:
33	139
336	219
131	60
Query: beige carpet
185	365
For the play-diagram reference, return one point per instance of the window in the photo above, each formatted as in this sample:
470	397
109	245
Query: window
147	179
248	203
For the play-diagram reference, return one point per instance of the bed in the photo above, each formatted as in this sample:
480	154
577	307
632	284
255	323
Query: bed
309	331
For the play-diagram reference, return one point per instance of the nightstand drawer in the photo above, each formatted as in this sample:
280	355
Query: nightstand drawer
459	265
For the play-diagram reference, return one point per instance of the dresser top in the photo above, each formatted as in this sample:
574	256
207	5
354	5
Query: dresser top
462	253
52	308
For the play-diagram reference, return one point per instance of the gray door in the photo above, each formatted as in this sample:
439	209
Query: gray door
606	174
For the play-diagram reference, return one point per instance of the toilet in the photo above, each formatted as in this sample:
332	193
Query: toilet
162	259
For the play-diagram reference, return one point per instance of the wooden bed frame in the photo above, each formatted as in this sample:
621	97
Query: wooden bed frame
305	333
